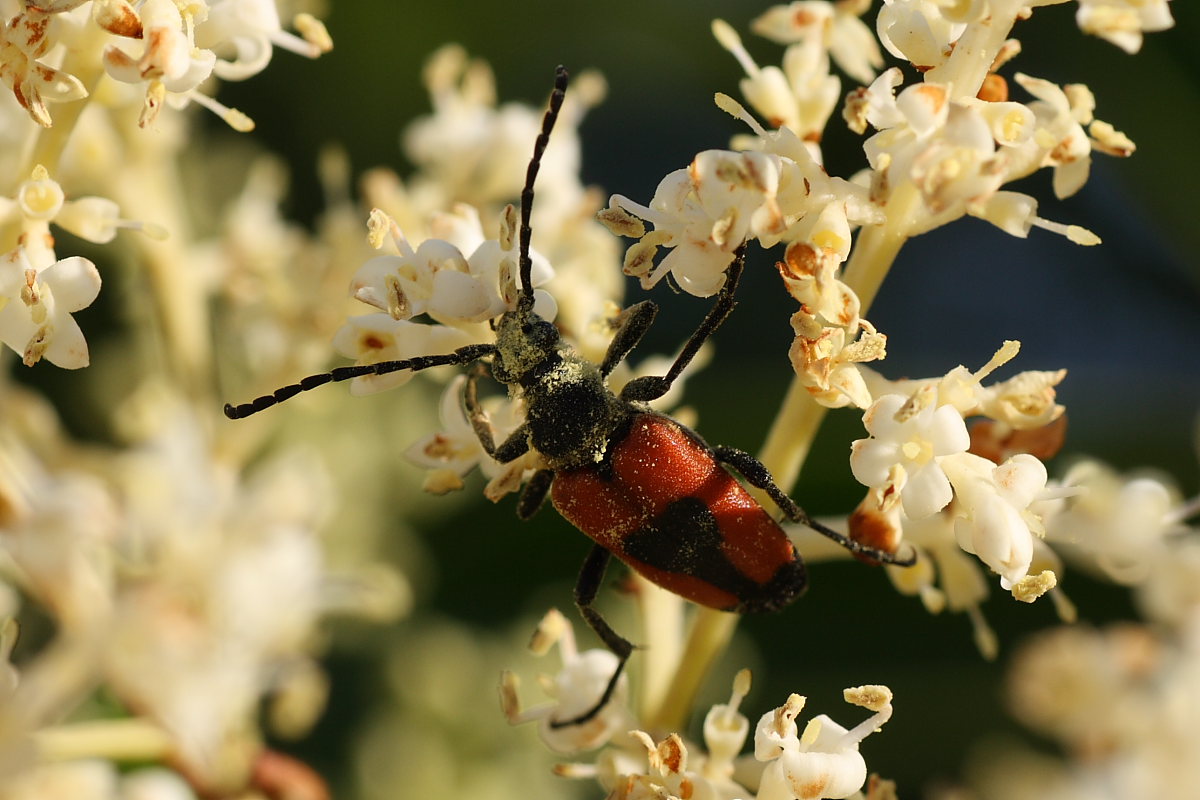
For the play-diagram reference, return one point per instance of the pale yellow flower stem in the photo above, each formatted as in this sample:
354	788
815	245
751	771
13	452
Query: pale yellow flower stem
50	143
180	299
976	50
788	443
662	626
876	248
112	739
709	636
84	60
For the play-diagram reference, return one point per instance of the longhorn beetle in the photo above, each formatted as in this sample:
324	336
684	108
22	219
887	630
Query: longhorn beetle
644	487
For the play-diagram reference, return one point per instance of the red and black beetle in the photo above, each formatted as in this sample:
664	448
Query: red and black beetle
645	488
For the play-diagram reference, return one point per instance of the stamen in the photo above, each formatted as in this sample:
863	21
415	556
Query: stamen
235	119
728	38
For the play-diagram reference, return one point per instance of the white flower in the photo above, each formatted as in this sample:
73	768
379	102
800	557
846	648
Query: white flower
168	55
704	213
958	153
837	26
35	318
170	65
918	31
827	360
824	761
573	690
40	199
372	338
1060	140
471	150
993	520
725	730
1121	525
252	28
803	94
248	548
453	451
1122	22
1025	401
909	437
438	280
24	39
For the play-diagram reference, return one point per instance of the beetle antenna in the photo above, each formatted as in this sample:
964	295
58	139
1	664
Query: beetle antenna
525	263
463	355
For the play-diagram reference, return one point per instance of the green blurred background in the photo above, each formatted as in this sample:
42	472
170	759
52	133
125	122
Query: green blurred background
1122	318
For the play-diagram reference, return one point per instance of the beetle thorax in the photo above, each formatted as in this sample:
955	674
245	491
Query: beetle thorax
570	413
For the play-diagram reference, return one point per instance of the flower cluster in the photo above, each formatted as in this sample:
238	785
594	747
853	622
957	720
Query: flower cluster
165	49
948	491
943	148
822	761
140	569
1116	699
190	592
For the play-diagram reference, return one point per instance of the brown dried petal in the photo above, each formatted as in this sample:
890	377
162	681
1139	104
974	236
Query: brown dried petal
997	441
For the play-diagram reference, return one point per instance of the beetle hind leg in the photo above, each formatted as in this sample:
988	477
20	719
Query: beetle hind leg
758	476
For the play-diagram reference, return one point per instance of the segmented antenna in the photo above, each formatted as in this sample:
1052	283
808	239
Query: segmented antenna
525	263
463	355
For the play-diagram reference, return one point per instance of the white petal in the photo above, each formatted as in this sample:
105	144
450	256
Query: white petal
872	459
75	282
67	348
947	432
825	775
1070	177
459	296
15	325
880	418
924	105
199	67
253	55
1020	479
1001	539
544	305
927	491
91	218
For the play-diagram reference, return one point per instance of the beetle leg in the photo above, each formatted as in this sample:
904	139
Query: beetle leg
586	589
758	476
652	387
512	448
631	325
534	493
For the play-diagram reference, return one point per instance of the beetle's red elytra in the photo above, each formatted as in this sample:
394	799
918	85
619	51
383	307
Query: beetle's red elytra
662	503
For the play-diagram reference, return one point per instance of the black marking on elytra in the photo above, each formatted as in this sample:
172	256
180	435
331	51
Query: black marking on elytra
788	583
685	539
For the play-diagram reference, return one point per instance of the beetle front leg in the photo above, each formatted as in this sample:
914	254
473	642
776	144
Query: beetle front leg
591	576
534	493
512	448
652	387
631	324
